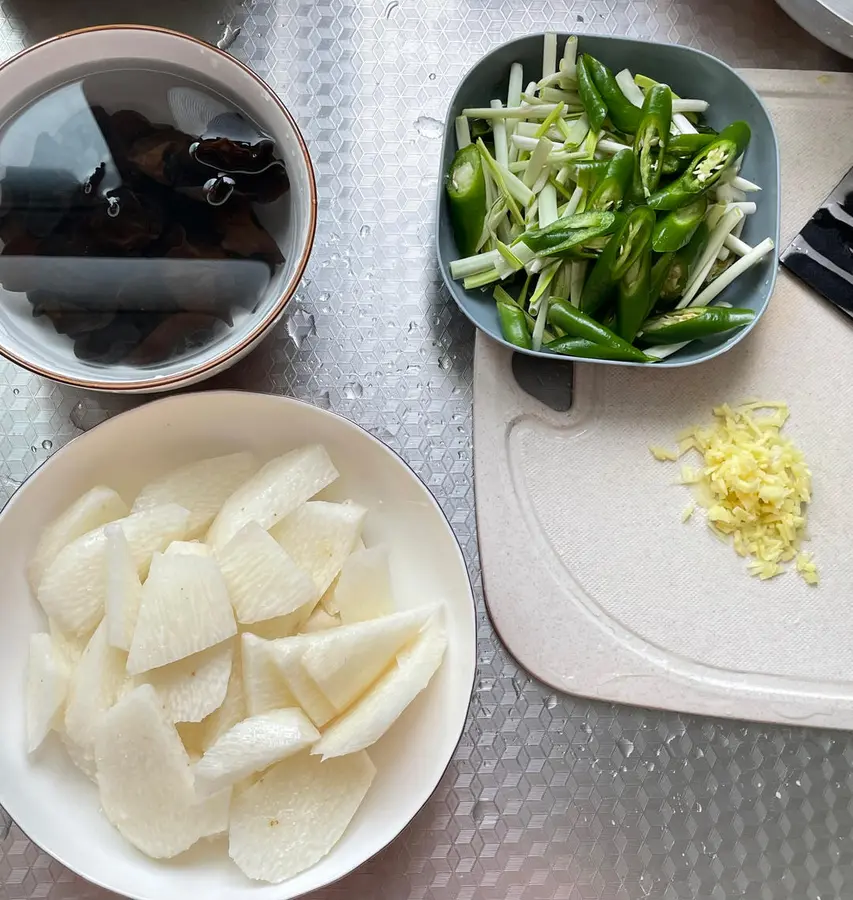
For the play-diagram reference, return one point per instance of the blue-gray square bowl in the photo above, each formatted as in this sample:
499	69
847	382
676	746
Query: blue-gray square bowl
691	73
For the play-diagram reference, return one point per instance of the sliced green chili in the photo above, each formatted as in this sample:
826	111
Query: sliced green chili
514	325
632	305
591	100
610	191
675	229
568	346
579	325
466	194
694	322
623	114
652	136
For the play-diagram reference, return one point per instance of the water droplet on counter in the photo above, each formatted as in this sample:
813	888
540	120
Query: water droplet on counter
626	746
84	419
444	363
47	445
364	231
16	391
229	35
323	400
78	415
34	449
428	127
353	390
300	325
551	701
390	8
432	76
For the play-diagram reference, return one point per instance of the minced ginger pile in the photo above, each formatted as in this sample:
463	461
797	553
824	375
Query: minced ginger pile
754	484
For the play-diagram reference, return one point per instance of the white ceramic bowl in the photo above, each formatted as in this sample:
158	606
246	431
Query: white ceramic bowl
58	807
33	343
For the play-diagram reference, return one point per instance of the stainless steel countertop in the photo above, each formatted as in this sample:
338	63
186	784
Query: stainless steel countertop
548	796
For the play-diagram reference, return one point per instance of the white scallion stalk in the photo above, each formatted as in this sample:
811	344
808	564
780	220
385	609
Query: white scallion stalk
661	351
579	267
507	263
549	54
517	188
538	159
523	252
471	265
542	180
568	64
547	205
578	132
747	208
529	130
627	85
554	95
610	147
736	245
742	184
516	80
541	111
683	124
563	175
463	132
546	276
728	194
499	134
535	266
722	281
709	255
574	202
541	322
689	106
518	167
532	213
523	142
529	98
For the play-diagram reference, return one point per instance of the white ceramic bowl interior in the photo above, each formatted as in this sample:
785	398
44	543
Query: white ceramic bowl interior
58	807
65	59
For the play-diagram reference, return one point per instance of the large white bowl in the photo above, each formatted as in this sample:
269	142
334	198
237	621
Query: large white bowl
58	807
33	343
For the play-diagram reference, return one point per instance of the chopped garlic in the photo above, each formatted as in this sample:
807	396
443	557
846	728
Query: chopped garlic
662	454
755	485
688	511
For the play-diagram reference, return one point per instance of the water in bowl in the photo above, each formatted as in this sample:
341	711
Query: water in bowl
129	221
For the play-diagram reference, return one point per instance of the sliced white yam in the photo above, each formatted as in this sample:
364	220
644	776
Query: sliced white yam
213	814
286	655
198	736
320	536
83	758
283	626
252	746
194	687
47	687
264	685
280	487
70	646
293	816
185	609
124	589
327	601
95	508
364	587
189	548
384	703
96	684
201	487
263	581
345	661
74	587
145	778
320	621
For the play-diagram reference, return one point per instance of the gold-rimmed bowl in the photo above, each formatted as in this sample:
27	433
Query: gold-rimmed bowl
32	342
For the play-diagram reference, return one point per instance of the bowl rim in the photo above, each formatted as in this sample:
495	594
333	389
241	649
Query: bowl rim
346	423
453	286
230	353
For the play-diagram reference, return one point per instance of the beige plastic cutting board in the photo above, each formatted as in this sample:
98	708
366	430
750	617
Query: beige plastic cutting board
591	579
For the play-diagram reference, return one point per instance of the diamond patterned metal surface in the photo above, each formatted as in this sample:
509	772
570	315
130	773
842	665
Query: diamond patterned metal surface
548	797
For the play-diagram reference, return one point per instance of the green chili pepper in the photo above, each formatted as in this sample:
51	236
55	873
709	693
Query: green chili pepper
623	114
705	168
514	325
675	165
568	346
682	266
658	276
567	230
694	322
628	241
632	305
577	324
466	194
689	145
675	229
653	135
611	190
591	100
